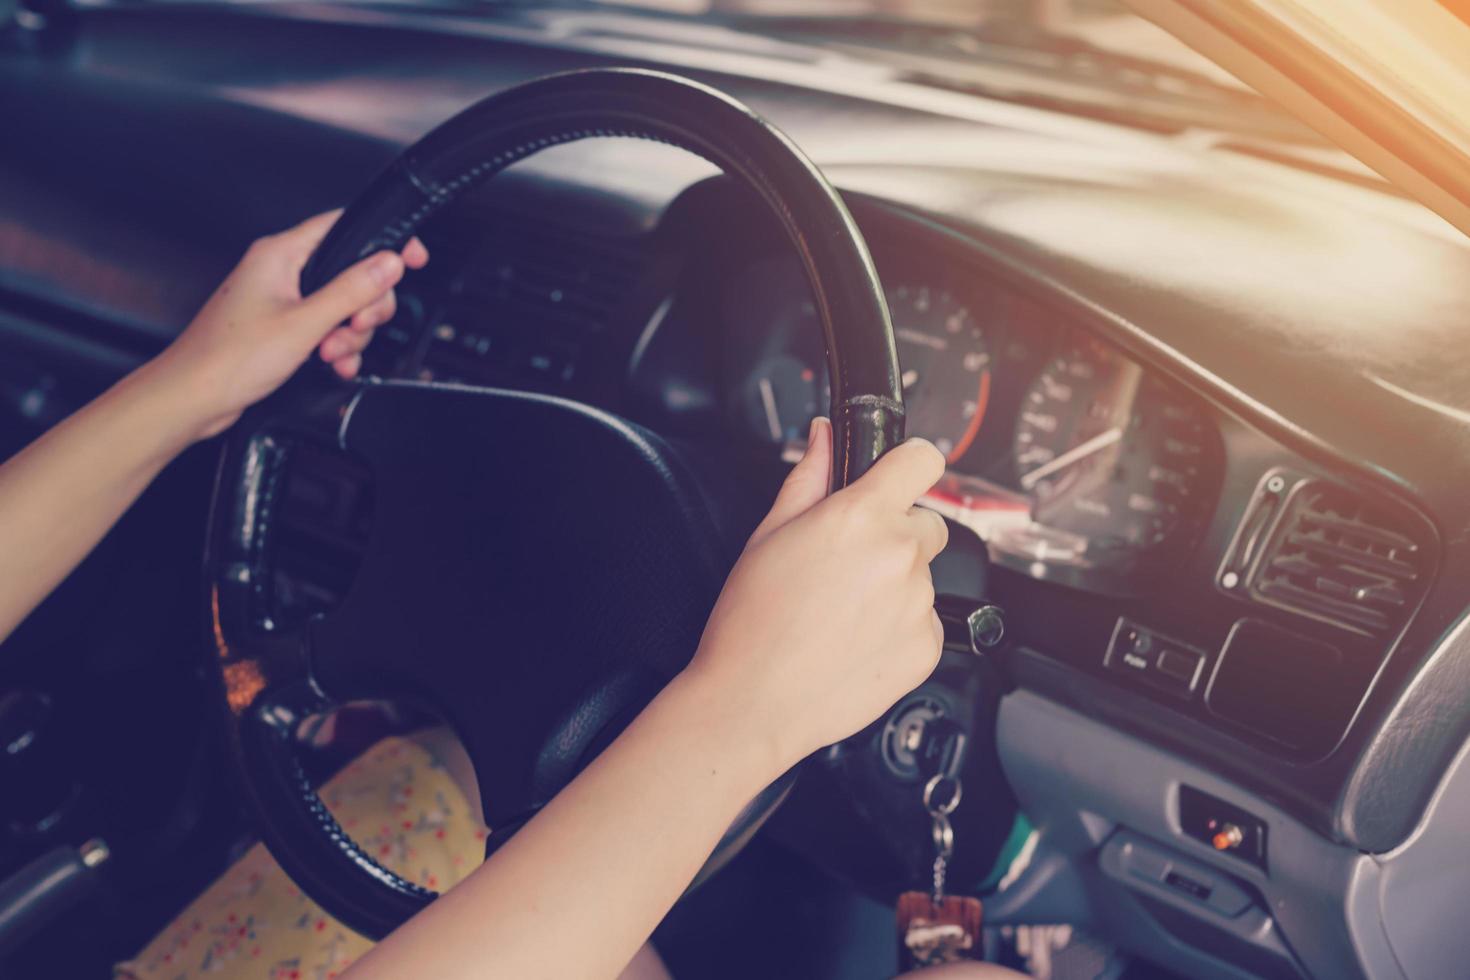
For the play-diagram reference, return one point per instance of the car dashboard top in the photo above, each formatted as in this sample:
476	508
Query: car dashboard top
1183	424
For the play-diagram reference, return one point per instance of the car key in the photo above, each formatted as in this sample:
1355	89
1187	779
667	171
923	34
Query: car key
933	927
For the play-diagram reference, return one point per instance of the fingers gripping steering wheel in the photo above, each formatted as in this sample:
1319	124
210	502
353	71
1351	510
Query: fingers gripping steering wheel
537	569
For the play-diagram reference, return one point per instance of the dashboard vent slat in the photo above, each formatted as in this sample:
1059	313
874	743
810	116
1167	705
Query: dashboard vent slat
567	280
530	300
1342	556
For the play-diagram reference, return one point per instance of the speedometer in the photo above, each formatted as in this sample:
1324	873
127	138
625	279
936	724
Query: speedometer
945	360
1110	457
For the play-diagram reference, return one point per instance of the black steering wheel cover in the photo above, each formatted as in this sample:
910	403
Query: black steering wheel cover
310	845
867	397
867	403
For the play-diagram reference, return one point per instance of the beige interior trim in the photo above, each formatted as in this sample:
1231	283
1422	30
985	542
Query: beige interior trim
1387	80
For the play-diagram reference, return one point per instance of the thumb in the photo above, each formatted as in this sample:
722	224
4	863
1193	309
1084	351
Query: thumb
355	288
806	485
305	237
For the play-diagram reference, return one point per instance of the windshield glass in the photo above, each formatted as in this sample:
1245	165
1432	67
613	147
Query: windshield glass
1081	56
1106	25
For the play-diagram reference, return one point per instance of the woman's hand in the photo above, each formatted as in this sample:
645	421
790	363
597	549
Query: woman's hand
257	328
828	617
59	496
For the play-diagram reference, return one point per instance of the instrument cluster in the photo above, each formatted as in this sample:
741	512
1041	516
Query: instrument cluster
1073	462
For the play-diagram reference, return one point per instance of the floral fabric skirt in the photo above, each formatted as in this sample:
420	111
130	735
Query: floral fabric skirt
401	806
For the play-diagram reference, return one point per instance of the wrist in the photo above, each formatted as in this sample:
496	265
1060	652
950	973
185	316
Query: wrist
169	403
182	396
729	728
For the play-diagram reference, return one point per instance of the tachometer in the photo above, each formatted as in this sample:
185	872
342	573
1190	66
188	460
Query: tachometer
1109	456
945	360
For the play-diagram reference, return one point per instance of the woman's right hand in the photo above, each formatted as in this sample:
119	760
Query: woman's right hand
828	617
826	620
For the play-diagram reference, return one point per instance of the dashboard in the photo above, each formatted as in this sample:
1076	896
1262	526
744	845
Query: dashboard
1139	533
1071	460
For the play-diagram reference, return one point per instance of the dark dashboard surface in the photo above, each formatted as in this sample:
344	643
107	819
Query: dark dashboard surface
1292	329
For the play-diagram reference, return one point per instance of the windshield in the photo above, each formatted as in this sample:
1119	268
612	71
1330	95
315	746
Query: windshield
1092	57
1106	25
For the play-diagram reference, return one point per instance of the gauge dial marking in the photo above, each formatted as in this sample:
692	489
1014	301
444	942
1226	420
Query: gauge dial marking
945	359
1108	455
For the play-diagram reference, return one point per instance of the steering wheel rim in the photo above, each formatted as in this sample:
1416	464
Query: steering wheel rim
280	678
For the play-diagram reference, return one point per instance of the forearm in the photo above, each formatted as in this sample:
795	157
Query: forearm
581	887
61	494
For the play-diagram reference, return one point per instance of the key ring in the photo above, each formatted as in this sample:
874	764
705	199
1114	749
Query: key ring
953	800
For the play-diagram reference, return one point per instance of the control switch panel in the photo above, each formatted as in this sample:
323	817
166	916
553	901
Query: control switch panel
1154	659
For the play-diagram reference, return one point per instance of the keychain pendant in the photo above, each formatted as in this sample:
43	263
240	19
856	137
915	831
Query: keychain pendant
932	933
935	928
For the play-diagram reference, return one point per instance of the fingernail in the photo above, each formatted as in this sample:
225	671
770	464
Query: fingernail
817	423
927	442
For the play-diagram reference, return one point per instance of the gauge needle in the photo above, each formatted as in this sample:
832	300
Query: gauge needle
1097	443
768	402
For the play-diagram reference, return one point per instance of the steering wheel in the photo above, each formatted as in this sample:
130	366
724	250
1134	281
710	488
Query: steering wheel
536	568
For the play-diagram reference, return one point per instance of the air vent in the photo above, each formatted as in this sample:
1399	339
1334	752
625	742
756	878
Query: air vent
553	280
1340	556
529	299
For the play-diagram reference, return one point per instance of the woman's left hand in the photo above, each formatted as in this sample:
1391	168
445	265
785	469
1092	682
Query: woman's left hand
257	328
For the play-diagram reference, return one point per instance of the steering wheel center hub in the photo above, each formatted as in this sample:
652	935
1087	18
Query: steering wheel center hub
570	548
